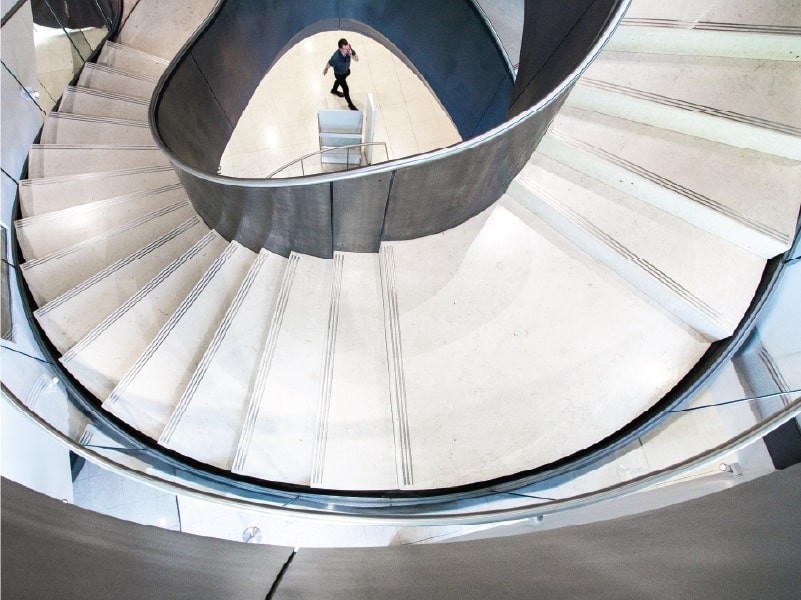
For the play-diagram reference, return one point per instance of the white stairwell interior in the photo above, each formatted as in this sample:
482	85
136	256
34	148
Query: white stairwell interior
634	237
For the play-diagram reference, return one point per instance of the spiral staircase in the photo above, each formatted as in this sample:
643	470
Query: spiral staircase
634	238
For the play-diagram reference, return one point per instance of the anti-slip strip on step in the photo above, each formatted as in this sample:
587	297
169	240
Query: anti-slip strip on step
112	71
95	175
265	364
588	226
198	247
690	106
74	211
131	50
170	325
392	335
108	235
211	351
65	116
87	91
712	26
671	185
117	265
327	380
105	147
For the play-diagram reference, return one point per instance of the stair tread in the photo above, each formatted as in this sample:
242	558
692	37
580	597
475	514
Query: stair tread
71	129
44	234
729	180
101	358
86	101
126	58
208	420
100	77
147	394
710	81
66	318
61	160
48	194
294	372
724	280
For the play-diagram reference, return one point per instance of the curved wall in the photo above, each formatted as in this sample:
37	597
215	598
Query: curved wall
448	43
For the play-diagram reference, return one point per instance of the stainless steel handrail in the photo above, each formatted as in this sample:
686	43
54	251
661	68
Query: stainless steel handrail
323	151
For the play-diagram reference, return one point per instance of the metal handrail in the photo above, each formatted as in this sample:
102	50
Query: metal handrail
323	151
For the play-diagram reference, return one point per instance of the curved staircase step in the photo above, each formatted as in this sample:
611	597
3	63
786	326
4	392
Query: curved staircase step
282	412
745	197
131	60
698	96
86	101
48	194
517	350
651	249
66	318
149	391
101	358
70	129
51	276
207	421
46	233
107	79
59	160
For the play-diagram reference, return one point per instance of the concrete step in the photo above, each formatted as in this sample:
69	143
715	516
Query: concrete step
743	196
775	15
207	421
39	196
101	358
60	160
107	79
71	315
149	391
85	101
651	249
47	233
69	129
131	60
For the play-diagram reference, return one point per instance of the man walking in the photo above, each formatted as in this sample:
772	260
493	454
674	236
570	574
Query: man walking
340	61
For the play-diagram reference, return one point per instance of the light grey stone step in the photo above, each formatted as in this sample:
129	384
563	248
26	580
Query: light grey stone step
766	13
38	196
292	367
355	444
131	60
101	358
207	421
73	314
44	234
701	279
100	77
743	196
69	129
164	27
86	101
705	97
526	365
53	275
60	160
149	392
704	38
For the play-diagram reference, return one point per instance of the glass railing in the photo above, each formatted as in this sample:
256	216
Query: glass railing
750	389
334	159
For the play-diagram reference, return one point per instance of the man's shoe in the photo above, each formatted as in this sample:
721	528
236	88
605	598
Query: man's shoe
340	94
353	107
